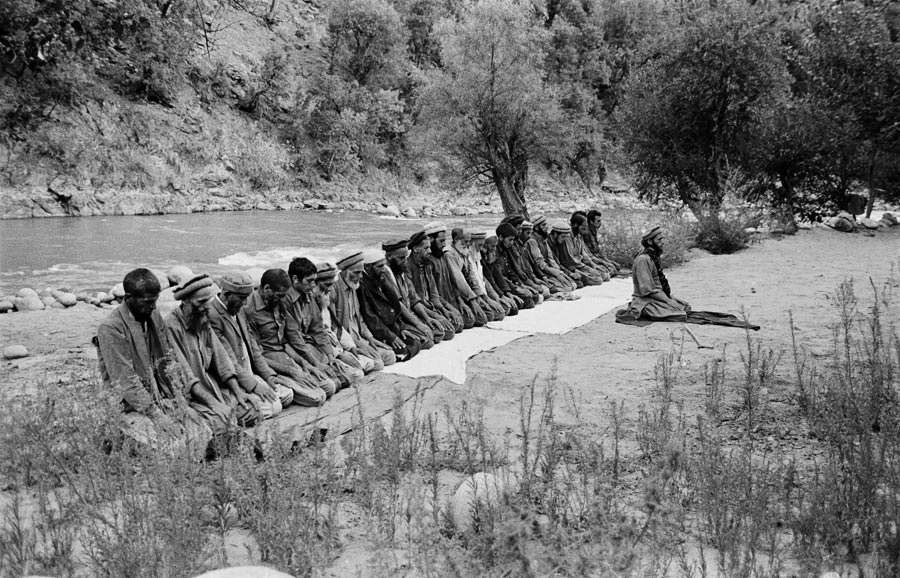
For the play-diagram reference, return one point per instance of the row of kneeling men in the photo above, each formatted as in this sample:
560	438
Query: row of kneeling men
234	352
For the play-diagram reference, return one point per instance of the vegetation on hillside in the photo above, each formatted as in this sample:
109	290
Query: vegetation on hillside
794	103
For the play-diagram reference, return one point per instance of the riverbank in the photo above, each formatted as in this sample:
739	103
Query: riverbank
379	194
605	376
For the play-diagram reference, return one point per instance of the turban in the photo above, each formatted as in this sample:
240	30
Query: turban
506	230
350	261
372	256
538	221
479	236
652	233
393	245
561	228
527	225
435	227
417	239
325	271
200	287
237	282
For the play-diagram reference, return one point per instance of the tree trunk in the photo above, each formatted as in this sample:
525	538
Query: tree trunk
513	202
870	174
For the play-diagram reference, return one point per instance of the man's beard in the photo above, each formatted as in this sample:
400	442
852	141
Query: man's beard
437	250
353	284
197	322
400	267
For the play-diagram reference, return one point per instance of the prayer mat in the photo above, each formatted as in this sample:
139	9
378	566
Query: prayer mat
626	317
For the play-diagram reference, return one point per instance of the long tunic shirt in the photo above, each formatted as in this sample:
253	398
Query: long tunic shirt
346	314
313	341
648	298
234	331
137	359
204	354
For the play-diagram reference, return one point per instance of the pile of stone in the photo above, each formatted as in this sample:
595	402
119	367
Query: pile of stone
846	223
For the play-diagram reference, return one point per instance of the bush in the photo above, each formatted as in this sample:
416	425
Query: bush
620	241
722	236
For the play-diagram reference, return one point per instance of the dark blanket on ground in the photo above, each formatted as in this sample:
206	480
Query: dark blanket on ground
627	317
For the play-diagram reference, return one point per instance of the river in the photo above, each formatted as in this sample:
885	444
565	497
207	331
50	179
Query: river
94	253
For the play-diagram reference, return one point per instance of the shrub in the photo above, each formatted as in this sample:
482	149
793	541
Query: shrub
722	236
620	240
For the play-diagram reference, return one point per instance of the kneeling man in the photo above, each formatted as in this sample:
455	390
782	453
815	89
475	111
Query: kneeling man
652	297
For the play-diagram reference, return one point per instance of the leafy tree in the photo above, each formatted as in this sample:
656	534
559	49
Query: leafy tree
688	115
490	108
356	116
852	56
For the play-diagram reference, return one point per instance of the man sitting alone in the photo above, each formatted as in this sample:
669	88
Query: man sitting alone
652	297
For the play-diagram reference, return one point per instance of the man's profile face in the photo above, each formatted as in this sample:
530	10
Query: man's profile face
379	268
507	241
353	276
421	248
325	286
272	296
597	222
142	304
440	239
305	285
234	301
525	234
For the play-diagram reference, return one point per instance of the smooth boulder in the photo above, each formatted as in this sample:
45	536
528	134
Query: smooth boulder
869	223
118	291
28	303
26	292
6	306
889	219
65	298
15	352
104	297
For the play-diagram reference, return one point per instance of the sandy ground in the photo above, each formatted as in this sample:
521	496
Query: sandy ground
597	365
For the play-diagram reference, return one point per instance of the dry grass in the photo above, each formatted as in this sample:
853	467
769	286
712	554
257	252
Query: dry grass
712	494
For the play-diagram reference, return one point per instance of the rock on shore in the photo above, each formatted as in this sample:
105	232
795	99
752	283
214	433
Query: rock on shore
15	352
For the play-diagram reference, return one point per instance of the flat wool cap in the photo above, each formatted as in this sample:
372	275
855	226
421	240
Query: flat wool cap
417	239
394	244
526	225
506	230
561	228
372	256
201	287
479	236
238	282
435	227
350	260
539	220
460	234
325	271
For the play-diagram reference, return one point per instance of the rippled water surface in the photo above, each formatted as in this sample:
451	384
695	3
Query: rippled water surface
94	253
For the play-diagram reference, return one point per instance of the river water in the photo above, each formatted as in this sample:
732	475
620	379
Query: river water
94	253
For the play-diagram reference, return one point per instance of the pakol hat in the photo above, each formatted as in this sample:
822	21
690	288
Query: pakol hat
561	228
538	221
526	225
393	245
237	282
417	239
372	256
506	230
653	233
434	227
351	260
325	271
479	236
514	220
199	287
